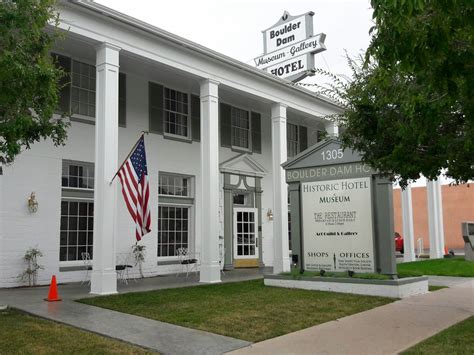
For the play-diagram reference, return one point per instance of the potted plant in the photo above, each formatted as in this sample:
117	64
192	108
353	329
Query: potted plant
31	259
138	251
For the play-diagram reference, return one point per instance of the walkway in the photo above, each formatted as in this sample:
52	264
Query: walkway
163	337
389	329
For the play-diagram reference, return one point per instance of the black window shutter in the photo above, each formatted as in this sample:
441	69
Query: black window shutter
122	112
64	101
226	126
196	117
256	133
155	107
303	138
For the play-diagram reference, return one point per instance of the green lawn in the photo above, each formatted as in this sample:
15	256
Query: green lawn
245	310
456	340
442	267
24	334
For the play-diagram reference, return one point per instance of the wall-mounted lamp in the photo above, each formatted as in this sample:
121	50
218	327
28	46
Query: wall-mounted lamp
32	203
270	215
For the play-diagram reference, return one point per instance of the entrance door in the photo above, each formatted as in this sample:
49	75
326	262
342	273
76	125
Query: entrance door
245	233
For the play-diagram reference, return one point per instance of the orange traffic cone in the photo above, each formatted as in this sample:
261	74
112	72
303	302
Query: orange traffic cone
446	252
53	291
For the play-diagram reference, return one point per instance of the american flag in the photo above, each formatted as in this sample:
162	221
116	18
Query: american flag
136	190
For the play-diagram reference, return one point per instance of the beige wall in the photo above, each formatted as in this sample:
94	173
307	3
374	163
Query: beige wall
458	206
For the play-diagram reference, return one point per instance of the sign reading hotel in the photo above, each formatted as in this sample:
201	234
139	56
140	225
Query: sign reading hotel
337	225
289	46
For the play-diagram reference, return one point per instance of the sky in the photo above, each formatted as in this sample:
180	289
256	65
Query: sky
233	27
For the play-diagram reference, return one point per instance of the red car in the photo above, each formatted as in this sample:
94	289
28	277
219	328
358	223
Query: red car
398	242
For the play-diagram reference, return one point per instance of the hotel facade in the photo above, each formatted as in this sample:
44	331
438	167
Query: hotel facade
219	131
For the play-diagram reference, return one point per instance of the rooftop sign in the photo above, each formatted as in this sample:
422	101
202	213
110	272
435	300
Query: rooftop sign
289	46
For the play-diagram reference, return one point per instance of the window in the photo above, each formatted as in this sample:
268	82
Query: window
292	142
242	199
173	229
296	139
78	175
77	210
77	225
173	185
240	129
240	123
83	89
176	113
175	203
78	88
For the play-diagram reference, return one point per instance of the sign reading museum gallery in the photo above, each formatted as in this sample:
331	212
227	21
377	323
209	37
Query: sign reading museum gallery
337	225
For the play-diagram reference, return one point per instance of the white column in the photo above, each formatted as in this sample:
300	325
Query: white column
104	277
281	258
434	216
331	128
407	220
439	198
210	270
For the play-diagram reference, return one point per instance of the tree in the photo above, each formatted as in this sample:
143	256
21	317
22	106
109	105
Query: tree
409	107
29	80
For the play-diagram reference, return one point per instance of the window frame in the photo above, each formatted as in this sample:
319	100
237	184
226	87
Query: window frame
77	117
249	114
190	187
79	61
78	163
178	201
191	230
86	197
79	261
188	115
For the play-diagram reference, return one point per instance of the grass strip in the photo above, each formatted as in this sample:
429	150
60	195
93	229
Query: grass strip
456	266
25	334
455	340
245	310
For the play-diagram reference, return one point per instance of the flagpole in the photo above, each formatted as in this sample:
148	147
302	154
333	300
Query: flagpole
128	156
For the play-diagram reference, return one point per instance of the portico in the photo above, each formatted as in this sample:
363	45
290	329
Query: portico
216	80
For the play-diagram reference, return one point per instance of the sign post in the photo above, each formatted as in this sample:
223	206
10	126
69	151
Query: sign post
341	212
289	47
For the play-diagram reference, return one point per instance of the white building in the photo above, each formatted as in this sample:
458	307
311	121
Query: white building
219	130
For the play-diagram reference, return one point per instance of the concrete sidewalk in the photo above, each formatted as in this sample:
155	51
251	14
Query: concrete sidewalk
163	337
388	329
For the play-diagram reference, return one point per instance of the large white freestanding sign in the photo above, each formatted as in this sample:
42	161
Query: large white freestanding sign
341	212
289	47
337	225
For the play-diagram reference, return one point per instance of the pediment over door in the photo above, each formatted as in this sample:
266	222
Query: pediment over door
243	164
